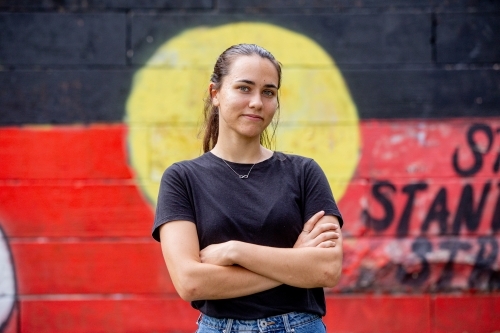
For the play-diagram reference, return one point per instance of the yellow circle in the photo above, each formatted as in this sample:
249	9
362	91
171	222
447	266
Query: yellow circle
318	118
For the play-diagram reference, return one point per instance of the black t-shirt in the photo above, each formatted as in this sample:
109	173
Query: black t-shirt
268	208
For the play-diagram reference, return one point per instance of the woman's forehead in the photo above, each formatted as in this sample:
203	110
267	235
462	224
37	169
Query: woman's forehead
253	66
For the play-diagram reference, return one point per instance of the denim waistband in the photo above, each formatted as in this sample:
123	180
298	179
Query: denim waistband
286	321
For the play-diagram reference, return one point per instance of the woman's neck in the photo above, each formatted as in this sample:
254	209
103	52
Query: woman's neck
241	152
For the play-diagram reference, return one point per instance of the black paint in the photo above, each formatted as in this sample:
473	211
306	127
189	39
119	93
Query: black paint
390	38
63	96
483	273
404	222
468	38
425	94
438	212
380	193
474	149
466	212
379	52
62	39
421	247
107	4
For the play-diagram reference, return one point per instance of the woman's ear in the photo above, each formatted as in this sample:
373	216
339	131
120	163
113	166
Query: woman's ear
214	93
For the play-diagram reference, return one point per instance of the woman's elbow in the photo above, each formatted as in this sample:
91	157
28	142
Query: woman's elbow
188	291
332	277
332	272
188	287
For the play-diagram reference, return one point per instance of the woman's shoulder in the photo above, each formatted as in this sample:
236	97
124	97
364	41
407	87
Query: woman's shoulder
186	166
293	158
299	164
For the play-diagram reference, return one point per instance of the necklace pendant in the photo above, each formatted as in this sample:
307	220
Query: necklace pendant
241	176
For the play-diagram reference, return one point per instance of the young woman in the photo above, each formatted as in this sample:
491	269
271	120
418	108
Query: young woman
232	222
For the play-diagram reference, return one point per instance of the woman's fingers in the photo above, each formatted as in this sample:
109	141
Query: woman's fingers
324	237
216	254
318	235
330	235
305	239
311	223
327	244
321	228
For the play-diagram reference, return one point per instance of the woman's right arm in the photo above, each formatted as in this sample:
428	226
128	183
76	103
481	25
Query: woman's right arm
195	280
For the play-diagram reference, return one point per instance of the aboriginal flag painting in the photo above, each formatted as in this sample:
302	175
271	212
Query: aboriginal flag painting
397	101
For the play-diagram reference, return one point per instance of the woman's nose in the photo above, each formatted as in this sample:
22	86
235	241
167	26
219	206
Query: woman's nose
256	101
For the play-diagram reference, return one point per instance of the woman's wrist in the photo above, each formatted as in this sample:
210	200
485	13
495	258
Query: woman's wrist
233	252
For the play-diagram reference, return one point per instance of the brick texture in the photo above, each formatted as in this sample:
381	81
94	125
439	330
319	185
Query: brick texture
421	206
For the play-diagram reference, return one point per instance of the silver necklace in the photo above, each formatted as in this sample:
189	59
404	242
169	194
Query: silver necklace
241	176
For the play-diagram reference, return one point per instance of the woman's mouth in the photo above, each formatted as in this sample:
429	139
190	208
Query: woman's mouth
253	117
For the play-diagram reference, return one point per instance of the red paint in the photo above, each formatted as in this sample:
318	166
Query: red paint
75	209
64	152
91	267
96	314
378	314
422	149
466	313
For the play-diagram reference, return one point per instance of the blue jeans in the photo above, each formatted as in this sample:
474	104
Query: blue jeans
293	322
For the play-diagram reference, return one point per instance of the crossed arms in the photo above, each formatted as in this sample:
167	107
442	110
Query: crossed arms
233	269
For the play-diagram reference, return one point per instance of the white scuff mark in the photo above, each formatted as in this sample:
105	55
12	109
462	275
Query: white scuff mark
396	139
163	58
395	252
421	137
438	256
7	281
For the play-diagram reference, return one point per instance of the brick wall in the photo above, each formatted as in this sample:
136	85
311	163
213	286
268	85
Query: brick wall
81	148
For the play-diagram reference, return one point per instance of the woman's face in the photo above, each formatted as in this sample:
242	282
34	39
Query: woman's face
247	98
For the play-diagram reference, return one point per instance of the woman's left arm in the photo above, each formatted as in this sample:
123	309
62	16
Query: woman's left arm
305	267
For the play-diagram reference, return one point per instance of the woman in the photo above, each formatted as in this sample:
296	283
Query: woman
260	268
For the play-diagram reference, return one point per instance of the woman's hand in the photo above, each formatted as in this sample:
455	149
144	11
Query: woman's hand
316	234
217	254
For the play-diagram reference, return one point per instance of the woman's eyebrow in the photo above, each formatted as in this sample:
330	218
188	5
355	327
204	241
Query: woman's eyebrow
269	85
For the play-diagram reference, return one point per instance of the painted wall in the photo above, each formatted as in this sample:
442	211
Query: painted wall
398	101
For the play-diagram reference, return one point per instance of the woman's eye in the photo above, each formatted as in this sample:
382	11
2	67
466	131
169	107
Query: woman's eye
269	93
245	89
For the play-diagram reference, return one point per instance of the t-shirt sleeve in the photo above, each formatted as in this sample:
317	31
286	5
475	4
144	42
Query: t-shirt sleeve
318	194
173	200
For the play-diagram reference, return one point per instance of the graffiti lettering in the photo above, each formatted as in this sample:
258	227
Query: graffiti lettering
483	274
379	192
467	214
421	246
472	209
482	277
404	221
438	212
453	246
477	150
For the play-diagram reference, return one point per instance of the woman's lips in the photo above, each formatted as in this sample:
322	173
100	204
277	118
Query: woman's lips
253	117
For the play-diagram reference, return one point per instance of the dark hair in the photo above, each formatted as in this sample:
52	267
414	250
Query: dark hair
221	69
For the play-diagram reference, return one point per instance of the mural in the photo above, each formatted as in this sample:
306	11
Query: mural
397	102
